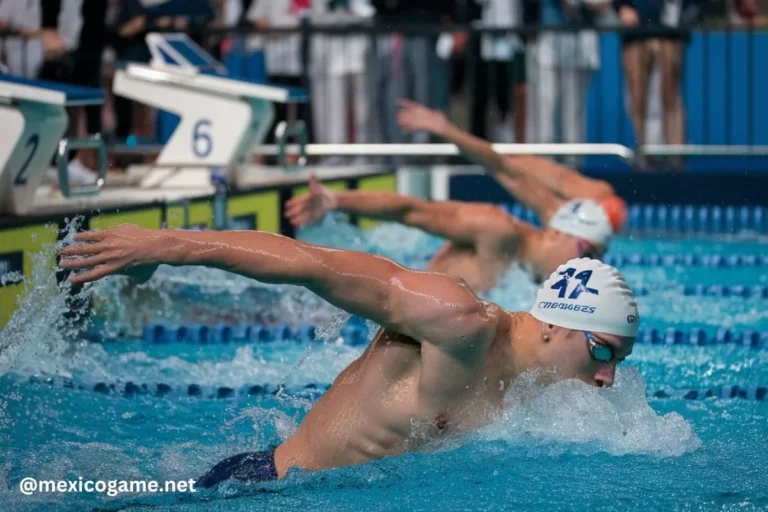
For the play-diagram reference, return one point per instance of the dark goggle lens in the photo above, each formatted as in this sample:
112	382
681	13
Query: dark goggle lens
601	352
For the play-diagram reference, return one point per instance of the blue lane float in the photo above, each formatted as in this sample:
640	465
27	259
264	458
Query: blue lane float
687	260
315	390
699	337
131	389
353	332
757	291
356	333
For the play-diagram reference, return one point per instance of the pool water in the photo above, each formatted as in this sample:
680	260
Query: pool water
564	447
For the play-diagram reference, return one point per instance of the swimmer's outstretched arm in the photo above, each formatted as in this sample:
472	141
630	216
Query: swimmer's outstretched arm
521	184
563	181
454	221
429	307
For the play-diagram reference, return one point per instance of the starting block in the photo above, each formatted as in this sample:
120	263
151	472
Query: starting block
221	117
33	120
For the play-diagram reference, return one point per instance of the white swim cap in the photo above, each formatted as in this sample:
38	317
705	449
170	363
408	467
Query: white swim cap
588	295
583	218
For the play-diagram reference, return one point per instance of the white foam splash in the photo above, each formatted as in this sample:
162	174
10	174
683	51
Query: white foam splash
616	420
44	329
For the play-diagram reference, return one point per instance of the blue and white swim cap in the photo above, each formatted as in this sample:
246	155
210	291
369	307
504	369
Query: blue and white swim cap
588	295
583	218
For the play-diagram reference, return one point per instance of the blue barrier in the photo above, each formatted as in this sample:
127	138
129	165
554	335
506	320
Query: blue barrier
699	337
312	390
696	219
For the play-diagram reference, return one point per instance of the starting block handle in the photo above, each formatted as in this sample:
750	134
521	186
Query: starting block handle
283	132
62	161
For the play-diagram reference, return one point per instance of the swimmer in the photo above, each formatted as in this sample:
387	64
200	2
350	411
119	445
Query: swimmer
439	366
579	214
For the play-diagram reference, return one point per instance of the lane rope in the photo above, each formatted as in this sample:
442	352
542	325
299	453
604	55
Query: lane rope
315	390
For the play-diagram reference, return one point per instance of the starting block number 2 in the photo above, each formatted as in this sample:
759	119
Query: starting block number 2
34	142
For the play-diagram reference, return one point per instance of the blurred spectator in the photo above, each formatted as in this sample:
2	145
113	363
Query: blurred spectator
752	13
501	73
137	18
338	78
23	55
562	70
243	56
406	64
283	51
73	37
131	28
641	51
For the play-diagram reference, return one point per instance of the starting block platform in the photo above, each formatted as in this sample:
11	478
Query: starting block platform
220	117
33	120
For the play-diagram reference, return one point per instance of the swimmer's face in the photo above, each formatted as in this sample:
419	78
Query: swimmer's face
567	351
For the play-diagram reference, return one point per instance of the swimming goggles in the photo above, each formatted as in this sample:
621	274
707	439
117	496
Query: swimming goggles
599	352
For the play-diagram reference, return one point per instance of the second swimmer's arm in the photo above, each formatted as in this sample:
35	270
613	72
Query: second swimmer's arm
516	181
425	306
448	219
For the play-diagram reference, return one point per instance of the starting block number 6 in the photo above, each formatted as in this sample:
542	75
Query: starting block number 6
202	143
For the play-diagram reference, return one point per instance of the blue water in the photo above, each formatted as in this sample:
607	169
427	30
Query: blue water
566	447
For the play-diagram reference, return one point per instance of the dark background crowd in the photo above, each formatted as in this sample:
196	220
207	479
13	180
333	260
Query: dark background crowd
501	82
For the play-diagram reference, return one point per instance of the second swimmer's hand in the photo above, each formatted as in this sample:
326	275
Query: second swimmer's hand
413	117
123	250
311	206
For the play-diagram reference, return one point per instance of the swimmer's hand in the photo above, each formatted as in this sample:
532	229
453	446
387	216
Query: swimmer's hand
413	117
123	250
311	206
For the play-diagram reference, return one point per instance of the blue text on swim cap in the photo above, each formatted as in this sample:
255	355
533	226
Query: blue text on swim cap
569	307
581	286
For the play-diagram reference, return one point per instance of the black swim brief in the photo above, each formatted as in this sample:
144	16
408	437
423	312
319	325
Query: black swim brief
246	467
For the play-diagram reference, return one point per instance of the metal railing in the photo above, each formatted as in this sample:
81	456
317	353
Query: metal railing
719	88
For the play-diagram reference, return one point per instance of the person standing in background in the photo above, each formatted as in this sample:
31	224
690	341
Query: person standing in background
640	52
338	80
501	72
748	13
562	69
74	35
243	56
283	51
406	63
23	55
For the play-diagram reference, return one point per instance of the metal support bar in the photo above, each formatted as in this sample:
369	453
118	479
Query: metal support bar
6	98
304	150
703	150
62	162
444	149
298	130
